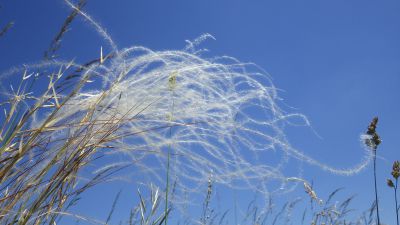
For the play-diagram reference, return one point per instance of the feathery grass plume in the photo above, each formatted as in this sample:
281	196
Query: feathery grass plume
395	174
238	77
372	140
226	120
218	99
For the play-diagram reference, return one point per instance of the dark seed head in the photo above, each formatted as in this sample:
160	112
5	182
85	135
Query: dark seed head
390	183
396	170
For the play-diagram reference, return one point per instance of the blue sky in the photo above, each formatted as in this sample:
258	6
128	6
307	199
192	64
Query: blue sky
337	62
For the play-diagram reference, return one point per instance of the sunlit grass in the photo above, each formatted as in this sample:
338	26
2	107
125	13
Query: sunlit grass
181	119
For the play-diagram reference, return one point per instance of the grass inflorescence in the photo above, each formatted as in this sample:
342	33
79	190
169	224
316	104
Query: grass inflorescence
194	118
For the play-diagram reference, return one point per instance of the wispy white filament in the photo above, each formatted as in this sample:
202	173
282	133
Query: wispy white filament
219	117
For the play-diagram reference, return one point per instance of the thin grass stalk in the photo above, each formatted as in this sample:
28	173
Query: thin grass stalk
395	199
395	174
206	209
372	140
376	190
113	207
171	84
167	187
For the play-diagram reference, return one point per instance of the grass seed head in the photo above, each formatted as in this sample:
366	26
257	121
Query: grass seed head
396	170
389	182
309	190
373	139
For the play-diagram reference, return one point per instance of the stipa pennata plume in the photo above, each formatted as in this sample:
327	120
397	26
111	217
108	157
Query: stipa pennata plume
226	118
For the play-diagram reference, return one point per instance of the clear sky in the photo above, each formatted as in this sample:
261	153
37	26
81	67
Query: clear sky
337	62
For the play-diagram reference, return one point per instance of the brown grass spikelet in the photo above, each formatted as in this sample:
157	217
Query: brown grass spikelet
396	170
390	183
374	140
309	190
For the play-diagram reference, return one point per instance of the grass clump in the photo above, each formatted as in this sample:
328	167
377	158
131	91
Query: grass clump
167	112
